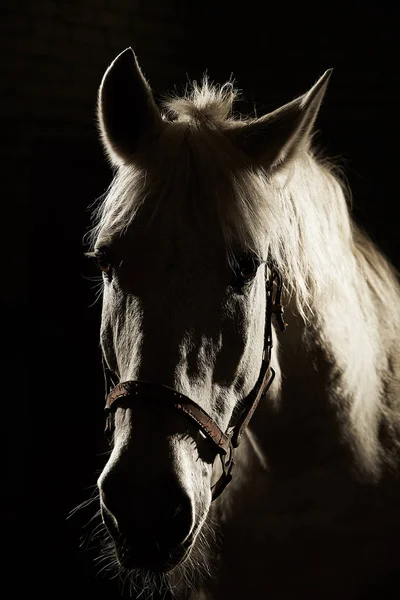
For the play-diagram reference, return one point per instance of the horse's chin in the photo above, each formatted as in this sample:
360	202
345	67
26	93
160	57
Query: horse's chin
187	565
160	578
160	566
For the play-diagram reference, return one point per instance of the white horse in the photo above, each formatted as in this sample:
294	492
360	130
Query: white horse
203	211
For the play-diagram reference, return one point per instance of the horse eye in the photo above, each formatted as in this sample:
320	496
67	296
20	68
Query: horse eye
103	262
245	269
248	266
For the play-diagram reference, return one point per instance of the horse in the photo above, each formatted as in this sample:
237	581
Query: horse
250	333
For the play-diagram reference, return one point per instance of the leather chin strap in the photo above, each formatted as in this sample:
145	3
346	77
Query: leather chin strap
123	394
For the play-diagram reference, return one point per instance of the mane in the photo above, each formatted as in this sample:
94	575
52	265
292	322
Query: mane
304	206
203	103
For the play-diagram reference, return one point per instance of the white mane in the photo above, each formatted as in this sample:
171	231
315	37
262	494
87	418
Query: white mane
303	207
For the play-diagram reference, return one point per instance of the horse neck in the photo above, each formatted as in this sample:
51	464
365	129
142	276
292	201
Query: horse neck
334	374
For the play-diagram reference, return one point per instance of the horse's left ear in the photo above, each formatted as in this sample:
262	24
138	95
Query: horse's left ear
128	116
274	138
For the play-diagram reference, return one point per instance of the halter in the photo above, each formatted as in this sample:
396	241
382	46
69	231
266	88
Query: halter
125	393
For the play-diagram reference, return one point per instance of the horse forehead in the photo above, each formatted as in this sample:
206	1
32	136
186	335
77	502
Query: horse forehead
159	267
170	237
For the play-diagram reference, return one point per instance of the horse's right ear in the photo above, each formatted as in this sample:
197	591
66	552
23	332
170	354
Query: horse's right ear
127	114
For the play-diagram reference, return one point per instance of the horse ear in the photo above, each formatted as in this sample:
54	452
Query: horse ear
127	114
274	138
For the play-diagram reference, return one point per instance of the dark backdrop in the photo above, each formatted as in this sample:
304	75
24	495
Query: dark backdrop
54	54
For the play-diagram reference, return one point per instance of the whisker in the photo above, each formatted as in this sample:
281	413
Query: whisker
98	295
93	278
81	506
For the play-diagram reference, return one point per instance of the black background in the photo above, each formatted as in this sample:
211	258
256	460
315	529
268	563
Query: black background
54	168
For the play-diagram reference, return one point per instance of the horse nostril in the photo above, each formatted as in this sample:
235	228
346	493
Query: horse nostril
177	526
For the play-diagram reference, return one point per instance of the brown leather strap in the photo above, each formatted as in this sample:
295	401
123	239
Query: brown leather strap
267	378
267	374
166	395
